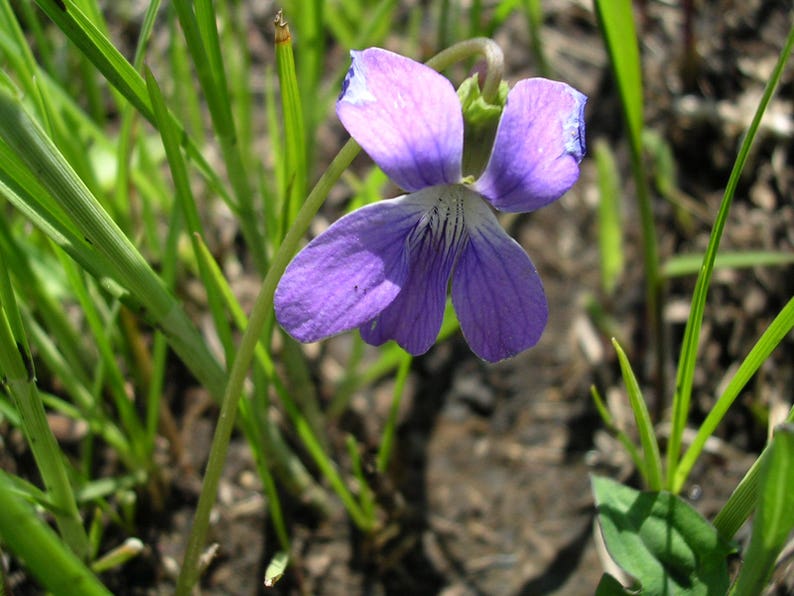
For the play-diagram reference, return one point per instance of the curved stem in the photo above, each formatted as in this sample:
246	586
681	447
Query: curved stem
488	49
234	387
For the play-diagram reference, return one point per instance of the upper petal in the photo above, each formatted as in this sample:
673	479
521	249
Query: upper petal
414	318
405	115
349	273
497	293
538	146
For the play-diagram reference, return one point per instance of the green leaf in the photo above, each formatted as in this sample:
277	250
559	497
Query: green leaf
657	538
774	518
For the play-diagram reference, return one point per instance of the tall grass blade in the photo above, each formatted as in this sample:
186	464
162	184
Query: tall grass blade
294	157
689	345
616	21
769	340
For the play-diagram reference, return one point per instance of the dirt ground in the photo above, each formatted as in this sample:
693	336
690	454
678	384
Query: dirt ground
490	489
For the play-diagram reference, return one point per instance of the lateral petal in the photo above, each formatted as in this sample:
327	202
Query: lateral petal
539	145
497	293
349	273
405	115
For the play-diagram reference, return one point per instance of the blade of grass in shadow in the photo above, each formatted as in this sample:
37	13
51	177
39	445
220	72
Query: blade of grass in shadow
689	345
652	461
30	539
624	439
390	429
534	12
616	21
19	381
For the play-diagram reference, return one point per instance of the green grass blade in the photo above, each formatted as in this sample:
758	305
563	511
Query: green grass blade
689	264
118	257
610	233
624	439
275	569
652	462
769	340
187	202
774	517
689	346
202	40
119	73
390	430
30	539
616	20
534	12
742	501
308	17
294	158
19	381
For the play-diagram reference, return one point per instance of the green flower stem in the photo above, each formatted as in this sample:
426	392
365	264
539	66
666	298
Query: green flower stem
234	387
463	50
264	305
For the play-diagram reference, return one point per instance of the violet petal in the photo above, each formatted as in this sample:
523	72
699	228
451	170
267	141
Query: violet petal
497	293
538	147
414	319
349	273
405	115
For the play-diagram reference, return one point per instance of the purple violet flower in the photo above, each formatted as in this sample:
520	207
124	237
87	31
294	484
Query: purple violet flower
385	268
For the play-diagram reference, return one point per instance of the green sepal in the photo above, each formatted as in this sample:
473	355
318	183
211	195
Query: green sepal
476	110
480	120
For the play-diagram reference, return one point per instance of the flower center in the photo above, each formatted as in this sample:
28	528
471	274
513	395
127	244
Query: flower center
442	230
